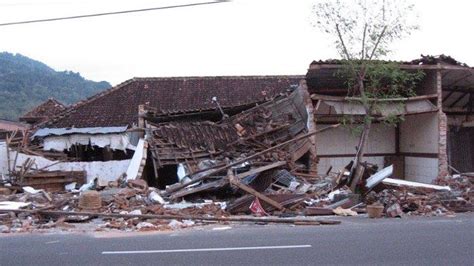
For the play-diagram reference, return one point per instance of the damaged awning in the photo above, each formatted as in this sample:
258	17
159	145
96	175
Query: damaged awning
395	106
44	132
59	139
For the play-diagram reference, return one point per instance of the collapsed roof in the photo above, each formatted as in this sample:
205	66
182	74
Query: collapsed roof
43	111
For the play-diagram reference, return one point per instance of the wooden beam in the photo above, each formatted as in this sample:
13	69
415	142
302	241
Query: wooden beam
344	99
236	182
457	111
458	99
460	79
260	169
459	89
448	95
470	102
180	217
225	167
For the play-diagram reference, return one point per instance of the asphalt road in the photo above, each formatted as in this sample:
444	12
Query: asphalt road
357	241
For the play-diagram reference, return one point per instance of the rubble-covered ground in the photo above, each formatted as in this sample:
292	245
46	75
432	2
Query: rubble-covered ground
133	206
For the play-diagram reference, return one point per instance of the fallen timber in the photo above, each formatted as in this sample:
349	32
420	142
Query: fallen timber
182	217
223	168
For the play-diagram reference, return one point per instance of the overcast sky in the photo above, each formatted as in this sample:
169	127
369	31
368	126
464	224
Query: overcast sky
242	37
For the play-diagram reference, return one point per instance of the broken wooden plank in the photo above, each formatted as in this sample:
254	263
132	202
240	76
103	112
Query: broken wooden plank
412	184
260	169
236	182
225	167
210	185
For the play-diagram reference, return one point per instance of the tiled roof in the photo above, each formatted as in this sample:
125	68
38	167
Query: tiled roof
423	60
118	106
48	108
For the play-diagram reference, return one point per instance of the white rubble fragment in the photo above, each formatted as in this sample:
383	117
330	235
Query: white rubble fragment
156	198
376	178
136	212
13	205
87	186
181	171
175	224
304	188
70	187
31	190
4	229
293	185
145	225
188	223
344	212
401	183
333	193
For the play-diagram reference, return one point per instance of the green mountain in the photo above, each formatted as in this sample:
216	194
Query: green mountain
25	83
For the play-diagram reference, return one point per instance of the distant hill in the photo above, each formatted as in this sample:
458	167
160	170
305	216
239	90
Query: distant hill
25	83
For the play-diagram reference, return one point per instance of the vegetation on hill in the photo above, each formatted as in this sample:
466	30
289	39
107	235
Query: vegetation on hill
25	83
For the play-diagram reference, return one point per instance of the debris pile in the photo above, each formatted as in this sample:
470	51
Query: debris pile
254	166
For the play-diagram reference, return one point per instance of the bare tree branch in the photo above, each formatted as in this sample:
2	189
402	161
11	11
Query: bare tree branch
362	54
344	47
382	34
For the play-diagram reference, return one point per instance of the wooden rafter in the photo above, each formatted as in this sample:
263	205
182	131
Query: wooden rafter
459	89
470	102
458	99
460	79
448	95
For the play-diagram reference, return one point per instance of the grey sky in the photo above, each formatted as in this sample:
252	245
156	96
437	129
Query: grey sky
243	37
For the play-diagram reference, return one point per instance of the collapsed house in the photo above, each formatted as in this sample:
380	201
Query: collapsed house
104	135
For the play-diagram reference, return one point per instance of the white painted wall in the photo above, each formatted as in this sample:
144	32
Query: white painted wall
104	171
339	163
419	134
341	141
423	170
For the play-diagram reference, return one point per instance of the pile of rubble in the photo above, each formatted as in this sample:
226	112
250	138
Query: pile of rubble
255	166
274	195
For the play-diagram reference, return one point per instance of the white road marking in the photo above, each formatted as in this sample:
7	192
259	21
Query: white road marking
221	228
201	249
52	242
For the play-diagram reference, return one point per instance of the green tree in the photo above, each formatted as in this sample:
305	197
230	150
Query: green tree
363	31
